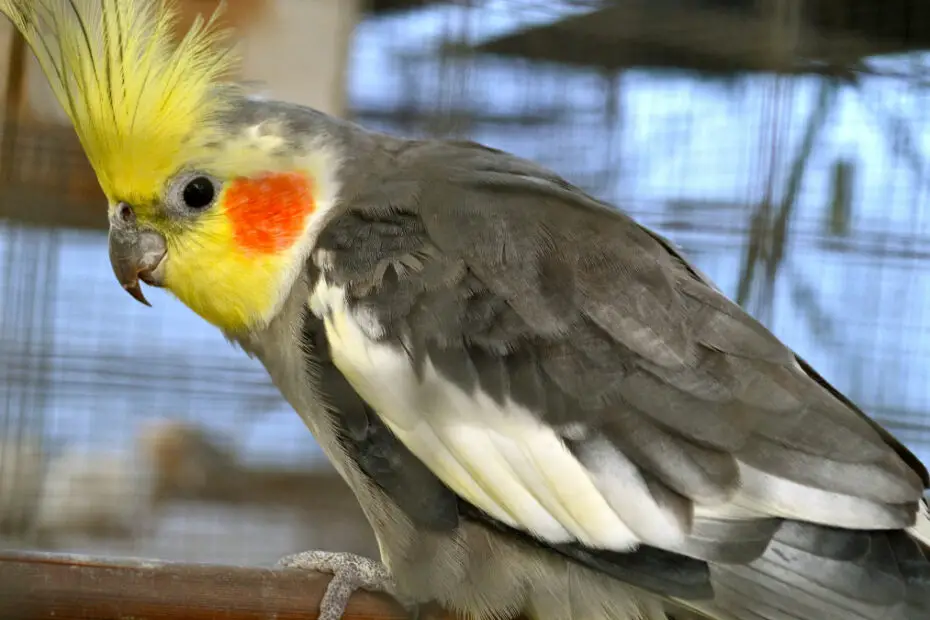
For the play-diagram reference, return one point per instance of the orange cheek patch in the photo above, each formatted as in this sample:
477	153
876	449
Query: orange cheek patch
268	213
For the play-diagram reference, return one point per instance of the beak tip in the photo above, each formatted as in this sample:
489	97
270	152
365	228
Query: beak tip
135	256
136	291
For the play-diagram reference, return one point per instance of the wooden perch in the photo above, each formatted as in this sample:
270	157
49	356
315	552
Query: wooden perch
72	587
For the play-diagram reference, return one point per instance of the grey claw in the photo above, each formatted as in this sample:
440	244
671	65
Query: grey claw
350	573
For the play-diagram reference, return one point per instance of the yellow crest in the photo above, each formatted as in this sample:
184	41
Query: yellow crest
139	100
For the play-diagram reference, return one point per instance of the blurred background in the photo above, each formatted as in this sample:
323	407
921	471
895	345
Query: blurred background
782	143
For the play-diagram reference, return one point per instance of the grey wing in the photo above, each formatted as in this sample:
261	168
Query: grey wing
696	425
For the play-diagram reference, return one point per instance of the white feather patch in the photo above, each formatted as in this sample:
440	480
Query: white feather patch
517	469
768	494
921	529
624	488
502	459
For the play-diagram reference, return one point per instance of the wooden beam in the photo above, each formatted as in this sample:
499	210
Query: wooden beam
12	102
43	586
713	37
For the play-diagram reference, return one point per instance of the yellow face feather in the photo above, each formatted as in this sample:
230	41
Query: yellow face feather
149	110
134	95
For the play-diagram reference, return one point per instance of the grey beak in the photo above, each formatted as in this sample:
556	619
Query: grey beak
135	254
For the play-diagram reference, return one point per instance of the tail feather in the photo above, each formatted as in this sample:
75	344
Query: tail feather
812	572
917	572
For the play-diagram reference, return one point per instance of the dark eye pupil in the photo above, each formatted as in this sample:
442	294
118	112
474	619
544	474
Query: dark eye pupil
198	193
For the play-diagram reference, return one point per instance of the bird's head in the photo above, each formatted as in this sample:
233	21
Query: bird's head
211	195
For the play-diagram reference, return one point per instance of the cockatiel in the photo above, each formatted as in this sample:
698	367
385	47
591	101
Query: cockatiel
541	406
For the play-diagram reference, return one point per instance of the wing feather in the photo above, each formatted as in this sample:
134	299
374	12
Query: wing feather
569	374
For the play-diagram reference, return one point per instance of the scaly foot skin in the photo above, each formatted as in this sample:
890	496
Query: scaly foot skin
350	573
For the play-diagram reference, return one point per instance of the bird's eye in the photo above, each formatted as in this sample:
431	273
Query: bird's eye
198	193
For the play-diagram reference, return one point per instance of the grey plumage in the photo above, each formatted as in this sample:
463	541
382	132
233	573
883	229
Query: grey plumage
540	405
511	283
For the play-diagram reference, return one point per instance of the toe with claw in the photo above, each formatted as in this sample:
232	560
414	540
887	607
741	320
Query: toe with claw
350	573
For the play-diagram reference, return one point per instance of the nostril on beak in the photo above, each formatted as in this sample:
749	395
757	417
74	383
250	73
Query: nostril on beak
125	213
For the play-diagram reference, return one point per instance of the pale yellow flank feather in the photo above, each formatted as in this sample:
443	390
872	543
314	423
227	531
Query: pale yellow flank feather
141	102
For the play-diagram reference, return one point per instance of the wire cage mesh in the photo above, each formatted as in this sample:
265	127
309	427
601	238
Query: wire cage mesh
781	143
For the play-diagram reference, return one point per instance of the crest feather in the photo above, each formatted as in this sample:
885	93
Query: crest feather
141	102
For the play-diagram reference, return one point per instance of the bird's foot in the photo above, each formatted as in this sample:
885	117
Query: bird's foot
350	573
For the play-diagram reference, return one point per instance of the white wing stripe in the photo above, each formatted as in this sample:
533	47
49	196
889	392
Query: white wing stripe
507	463
564	485
625	489
351	355
521	463
762	492
501	459
479	453
921	529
